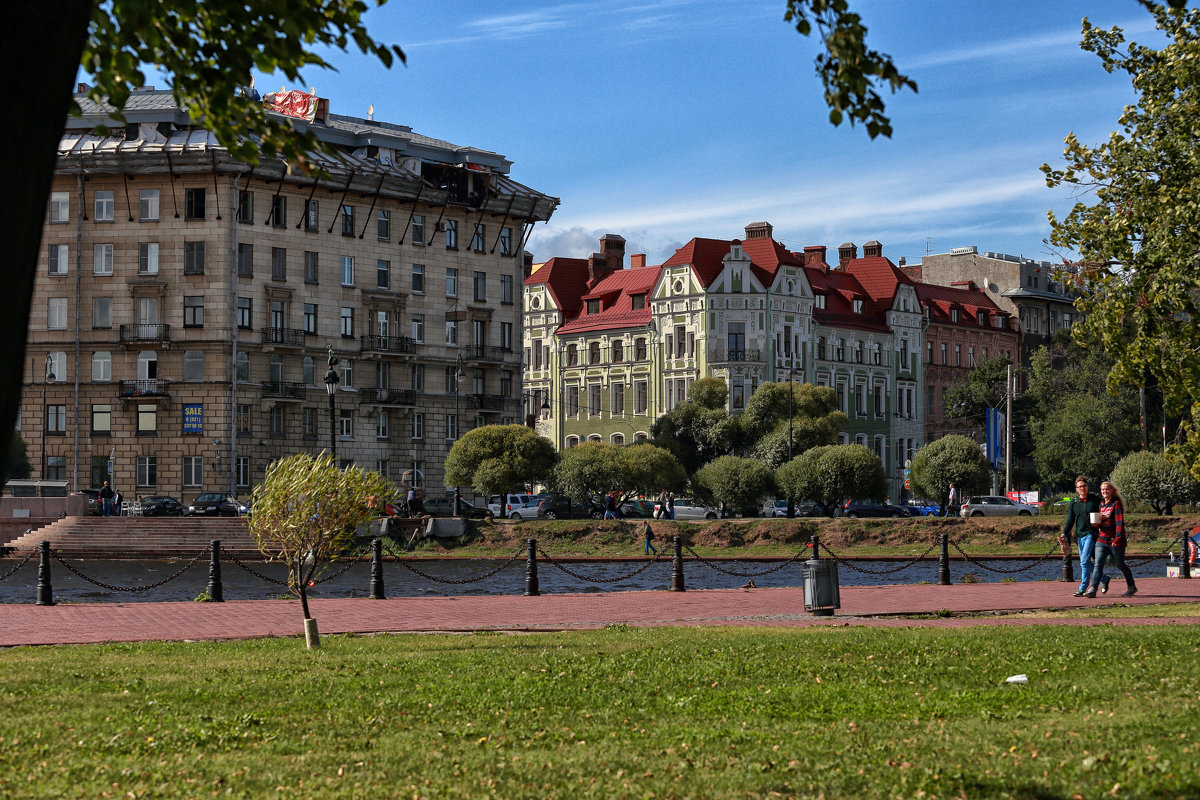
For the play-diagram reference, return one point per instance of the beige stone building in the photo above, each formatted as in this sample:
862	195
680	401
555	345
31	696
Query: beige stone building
186	303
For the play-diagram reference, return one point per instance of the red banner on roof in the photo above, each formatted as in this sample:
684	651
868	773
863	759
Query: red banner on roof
295	103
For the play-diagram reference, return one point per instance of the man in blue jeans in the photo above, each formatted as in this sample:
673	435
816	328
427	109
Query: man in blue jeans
1079	519
106	500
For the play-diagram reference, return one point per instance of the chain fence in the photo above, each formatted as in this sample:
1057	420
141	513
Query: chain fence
737	574
145	587
657	559
889	571
404	563
253	572
24	561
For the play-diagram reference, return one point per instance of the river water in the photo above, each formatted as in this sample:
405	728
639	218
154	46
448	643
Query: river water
442	577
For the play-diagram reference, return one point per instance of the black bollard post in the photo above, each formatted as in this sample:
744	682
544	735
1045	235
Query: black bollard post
215	593
1185	568
377	569
677	565
944	560
815	541
1067	573
45	592
531	580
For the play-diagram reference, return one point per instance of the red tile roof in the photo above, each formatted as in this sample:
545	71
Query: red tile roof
615	291
704	256
941	299
566	279
879	277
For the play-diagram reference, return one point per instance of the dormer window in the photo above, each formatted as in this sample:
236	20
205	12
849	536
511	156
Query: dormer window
858	306
954	315
593	306
819	300
638	301
981	318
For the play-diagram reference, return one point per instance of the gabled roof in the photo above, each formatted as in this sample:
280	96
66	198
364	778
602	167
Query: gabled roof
615	290
704	256
566	279
879	277
768	256
840	290
939	300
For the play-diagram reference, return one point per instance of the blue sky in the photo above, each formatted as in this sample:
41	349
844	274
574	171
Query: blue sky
662	120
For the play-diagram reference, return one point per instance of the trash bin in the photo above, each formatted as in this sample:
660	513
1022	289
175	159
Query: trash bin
821	592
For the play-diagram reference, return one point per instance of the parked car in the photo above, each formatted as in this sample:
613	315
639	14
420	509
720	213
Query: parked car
995	506
558	506
686	508
778	508
869	508
525	511
502	505
161	507
923	508
444	507
215	504
636	508
93	496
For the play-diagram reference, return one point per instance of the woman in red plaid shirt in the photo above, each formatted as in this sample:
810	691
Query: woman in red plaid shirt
1111	542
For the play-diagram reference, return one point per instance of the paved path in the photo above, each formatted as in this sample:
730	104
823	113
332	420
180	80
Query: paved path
860	605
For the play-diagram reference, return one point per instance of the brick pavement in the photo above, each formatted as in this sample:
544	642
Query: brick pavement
861	605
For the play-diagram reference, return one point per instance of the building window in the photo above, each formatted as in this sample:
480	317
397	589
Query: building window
506	241
102	259
480	285
477	238
101	366
347	270
618	399
242	367
245	261
148	205
245	318
418	377
452	428
451	234
943	354
310	215
308	371
56	313
451	332
418	278
101	312
418	426
193	204
310	318
245	209
58	260
383	225
243	420
56	420
418	230
278	211
193	365
345	423
637	301
958	355
147	258
147	419
193	258
147	471
101	419
243	471
193	471
593	306
278	264
308	423
275	421
594	400
506	382
594	353
639	349
310	266
105	207
60	207
506	336
971	356
451	282
506	290
572	409
857	306
347	321
347	220
418	328
193	312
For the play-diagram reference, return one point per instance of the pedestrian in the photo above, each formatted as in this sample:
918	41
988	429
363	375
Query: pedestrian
106	499
1079	520
410	501
1111	542
610	505
660	507
952	503
649	534
118	500
671	506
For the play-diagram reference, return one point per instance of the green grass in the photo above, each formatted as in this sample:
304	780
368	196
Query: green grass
622	712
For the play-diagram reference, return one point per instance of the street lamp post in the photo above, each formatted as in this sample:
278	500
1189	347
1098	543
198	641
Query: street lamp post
331	383
458	378
791	506
46	411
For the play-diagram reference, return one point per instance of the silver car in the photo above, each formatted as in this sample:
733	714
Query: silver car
995	506
686	508
527	510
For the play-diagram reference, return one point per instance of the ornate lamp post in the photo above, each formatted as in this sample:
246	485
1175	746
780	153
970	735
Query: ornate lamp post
791	506
459	375
46	411
331	383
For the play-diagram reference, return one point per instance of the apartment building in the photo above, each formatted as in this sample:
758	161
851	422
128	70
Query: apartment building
187	304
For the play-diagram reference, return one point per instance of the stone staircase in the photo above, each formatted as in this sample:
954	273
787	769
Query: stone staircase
141	537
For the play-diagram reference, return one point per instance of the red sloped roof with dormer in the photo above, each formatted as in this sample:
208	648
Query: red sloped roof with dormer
704	256
940	300
879	277
566	279
841	289
615	291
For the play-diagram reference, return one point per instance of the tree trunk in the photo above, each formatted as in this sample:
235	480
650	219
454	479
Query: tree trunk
40	50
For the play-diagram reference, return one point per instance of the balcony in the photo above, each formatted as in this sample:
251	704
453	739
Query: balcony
483	352
146	388
285	390
145	332
388	344
286	337
384	396
489	403
730	355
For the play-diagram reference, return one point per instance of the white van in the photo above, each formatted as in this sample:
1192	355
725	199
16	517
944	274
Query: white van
502	505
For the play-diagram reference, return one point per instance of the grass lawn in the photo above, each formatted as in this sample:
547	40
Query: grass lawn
623	712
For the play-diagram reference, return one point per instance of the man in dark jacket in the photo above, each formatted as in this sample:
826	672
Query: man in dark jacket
106	500
1079	520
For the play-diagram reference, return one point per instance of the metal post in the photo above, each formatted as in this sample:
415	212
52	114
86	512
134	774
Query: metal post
677	565
531	579
332	427
331	381
458	377
377	569
791	505
1067	573
45	592
1185	569
45	415
215	592
944	560
815	541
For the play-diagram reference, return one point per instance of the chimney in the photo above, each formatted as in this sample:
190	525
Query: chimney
526	263
903	261
596	268
637	260
613	248
759	230
872	249
847	252
814	256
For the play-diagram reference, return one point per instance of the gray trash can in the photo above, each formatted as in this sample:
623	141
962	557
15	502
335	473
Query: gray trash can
821	591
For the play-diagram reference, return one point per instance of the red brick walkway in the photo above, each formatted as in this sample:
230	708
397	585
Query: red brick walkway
861	605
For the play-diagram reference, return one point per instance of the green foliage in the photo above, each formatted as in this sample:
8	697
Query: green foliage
849	70
692	433
306	511
18	466
709	393
1135	229
983	387
207	52
1083	435
1151	479
650	470
735	482
497	459
951	459
833	474
816	420
591	468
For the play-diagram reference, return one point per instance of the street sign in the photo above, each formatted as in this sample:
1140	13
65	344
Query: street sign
907	483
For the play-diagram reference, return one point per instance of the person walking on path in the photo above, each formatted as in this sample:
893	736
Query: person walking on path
118	500
1111	543
648	532
661	505
1079	520
671	506
106	500
952	502
610	505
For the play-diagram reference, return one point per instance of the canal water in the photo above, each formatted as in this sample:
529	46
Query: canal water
440	577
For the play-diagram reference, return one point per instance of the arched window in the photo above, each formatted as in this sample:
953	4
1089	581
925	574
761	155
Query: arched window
639	437
147	366
102	366
276	368
594	353
572	441
618	439
595	437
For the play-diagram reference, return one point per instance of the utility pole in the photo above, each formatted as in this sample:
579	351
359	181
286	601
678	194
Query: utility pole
1008	395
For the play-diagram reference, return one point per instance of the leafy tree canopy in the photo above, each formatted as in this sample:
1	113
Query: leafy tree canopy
692	433
951	459
735	482
815	420
591	468
1151	479
833	474
18	466
651	470
1085	434
1135	232
709	393
496	459
983	387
